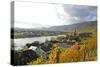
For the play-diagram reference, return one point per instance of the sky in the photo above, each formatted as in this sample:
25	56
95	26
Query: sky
37	15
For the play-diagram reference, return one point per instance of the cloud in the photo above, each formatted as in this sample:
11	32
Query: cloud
79	13
35	15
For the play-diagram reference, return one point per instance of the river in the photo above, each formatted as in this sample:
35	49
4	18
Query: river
21	42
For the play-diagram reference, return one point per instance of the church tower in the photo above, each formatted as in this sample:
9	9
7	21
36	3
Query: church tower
75	32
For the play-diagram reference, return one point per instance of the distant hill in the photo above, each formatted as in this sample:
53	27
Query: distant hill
78	26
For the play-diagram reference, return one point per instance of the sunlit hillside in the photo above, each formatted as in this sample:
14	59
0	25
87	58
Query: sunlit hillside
84	50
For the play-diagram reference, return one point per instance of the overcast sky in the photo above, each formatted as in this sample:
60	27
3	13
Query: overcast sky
37	15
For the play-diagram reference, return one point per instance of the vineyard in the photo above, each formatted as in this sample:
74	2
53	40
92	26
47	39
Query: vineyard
84	50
